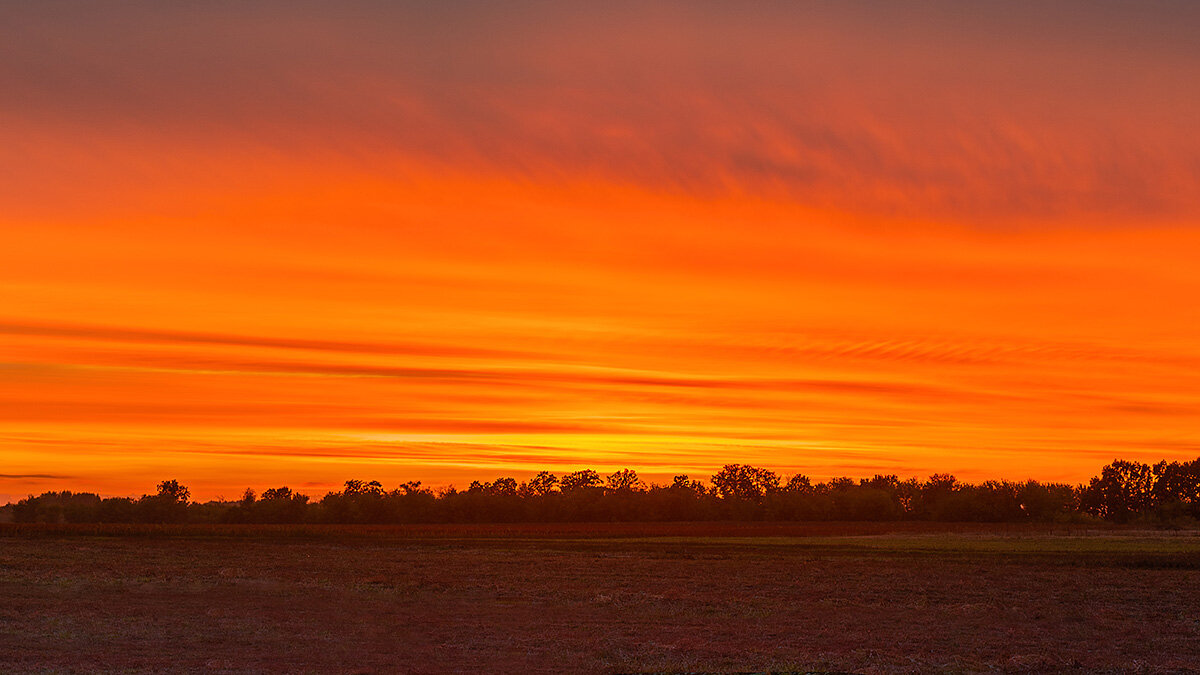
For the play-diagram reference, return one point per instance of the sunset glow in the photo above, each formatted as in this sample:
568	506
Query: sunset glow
294	245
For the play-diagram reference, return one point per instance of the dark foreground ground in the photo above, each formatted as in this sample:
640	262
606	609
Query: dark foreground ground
969	601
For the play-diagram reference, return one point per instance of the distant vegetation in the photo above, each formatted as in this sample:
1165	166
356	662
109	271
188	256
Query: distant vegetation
1124	491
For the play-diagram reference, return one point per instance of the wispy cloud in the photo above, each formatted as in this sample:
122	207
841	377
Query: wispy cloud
831	106
118	334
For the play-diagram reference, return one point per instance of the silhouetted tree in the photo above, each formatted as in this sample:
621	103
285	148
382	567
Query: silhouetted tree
625	480
278	505
744	482
57	507
172	490
358	502
1046	501
933	501
1122	490
799	484
1177	488
358	487
169	505
685	484
579	480
118	510
540	485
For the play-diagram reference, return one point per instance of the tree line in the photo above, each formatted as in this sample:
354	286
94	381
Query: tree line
1124	491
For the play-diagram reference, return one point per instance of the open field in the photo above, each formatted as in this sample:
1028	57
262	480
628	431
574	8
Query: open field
562	530
621	598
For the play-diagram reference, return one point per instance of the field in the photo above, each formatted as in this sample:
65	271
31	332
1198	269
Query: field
608	599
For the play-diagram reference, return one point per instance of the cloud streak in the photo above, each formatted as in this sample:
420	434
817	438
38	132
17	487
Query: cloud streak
818	105
115	334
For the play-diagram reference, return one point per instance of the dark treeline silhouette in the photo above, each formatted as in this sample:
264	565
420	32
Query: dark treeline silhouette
1123	492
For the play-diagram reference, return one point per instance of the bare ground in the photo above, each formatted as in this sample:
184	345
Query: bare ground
522	604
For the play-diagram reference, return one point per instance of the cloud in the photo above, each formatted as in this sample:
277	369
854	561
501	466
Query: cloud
542	378
825	106
168	337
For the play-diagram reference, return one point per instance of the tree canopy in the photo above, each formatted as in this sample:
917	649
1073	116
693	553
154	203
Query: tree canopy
1123	491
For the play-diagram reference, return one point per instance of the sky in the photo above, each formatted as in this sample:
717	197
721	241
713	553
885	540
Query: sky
293	243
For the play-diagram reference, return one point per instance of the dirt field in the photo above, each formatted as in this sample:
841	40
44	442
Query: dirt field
547	600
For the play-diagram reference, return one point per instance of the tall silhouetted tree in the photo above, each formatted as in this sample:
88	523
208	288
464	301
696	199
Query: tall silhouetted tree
744	482
684	483
169	505
579	480
799	484
172	490
933	500
540	485
1046	501
1177	488
625	480
1122	490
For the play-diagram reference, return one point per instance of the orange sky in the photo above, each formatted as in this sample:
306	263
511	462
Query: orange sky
295	244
